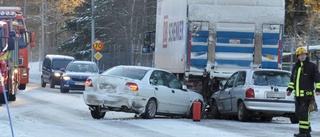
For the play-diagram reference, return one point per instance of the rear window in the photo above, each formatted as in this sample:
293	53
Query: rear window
266	78
128	72
60	63
82	67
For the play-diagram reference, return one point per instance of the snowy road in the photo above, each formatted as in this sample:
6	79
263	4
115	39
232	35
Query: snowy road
45	112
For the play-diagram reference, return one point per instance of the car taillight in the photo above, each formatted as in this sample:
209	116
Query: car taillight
89	83
249	93
132	86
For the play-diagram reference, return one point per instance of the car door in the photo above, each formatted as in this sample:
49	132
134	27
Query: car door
180	98
225	93
46	69
162	91
237	91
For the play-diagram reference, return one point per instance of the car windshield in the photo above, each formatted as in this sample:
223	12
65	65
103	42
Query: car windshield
60	63
266	78
82	67
133	73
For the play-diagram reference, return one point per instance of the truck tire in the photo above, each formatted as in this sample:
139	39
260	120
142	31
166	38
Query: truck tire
64	90
12	97
243	113
2	101
151	109
22	86
43	84
51	83
96	113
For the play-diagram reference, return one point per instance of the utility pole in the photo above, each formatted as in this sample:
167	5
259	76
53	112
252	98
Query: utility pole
25	8
92	30
42	34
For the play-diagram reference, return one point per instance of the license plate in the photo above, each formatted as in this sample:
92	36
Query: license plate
79	83
276	95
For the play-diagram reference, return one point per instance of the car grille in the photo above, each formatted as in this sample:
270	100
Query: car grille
79	79
77	86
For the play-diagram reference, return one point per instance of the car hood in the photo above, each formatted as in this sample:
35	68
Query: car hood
195	95
83	74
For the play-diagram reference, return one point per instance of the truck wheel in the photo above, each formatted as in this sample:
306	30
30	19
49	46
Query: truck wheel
96	113
64	90
51	83
12	97
243	113
215	110
22	86
294	119
43	84
151	109
2	101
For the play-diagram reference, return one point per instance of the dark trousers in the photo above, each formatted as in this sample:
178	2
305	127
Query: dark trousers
302	112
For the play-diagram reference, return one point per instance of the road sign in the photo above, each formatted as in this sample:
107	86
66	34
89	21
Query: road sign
98	45
98	55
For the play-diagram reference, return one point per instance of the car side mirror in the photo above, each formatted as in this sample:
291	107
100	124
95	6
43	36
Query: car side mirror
100	71
63	69
221	85
184	88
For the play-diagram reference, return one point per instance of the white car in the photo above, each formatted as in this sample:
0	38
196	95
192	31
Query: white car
142	90
254	93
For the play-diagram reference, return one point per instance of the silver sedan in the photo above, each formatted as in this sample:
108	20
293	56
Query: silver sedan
255	93
142	90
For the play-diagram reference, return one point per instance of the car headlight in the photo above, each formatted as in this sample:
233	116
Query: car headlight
57	74
66	78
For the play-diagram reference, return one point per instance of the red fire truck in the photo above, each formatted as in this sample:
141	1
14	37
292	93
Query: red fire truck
13	52
23	43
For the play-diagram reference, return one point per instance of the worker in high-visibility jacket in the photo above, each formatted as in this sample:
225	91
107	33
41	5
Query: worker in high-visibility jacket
304	76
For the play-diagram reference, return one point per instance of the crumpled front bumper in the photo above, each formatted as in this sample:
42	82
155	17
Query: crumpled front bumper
114	100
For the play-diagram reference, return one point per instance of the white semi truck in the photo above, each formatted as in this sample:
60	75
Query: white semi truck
204	41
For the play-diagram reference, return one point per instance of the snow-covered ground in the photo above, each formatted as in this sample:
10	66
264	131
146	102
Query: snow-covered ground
39	113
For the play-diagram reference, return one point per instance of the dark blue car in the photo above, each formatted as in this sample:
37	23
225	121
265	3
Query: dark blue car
76	74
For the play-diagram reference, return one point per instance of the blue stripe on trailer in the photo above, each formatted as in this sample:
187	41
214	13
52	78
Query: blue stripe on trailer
198	63
203	33
270	41
199	39
269	65
244	63
273	51
196	48
270	35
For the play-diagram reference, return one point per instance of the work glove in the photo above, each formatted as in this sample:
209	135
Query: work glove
290	89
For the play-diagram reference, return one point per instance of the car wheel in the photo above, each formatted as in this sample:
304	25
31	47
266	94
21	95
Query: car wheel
243	113
151	109
294	119
51	83
96	113
43	84
12	97
64	90
266	118
22	86
215	110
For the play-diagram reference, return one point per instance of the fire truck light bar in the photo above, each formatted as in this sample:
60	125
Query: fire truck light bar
7	13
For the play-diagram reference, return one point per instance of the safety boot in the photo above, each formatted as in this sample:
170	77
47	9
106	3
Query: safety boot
300	135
